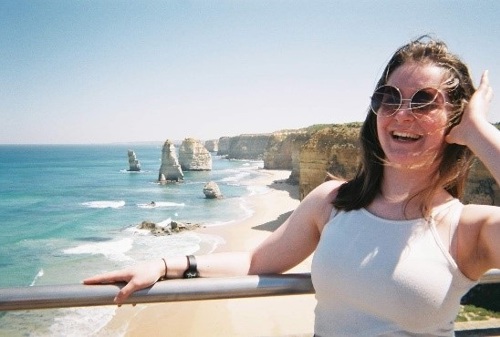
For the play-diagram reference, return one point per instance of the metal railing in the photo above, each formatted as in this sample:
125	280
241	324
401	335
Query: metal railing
79	295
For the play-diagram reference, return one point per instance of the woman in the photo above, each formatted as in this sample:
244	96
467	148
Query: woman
395	249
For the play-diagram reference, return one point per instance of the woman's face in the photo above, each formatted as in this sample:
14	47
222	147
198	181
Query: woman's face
409	140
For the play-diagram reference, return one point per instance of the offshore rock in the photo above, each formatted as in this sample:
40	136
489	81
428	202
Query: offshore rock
193	156
170	170
211	190
133	163
171	228
212	145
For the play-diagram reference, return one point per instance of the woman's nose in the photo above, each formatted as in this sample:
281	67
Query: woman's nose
404	111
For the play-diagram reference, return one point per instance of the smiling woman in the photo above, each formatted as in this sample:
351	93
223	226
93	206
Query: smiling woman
394	248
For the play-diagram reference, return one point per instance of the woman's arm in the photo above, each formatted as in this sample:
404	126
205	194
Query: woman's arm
290	244
298	236
479	231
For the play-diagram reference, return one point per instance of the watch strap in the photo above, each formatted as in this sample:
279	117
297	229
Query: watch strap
192	271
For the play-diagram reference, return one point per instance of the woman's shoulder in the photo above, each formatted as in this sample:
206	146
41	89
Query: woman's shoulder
327	189
330	185
475	213
319	202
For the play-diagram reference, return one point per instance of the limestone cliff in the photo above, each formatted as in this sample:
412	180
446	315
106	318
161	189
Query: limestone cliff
223	144
193	156
170	170
251	146
333	149
212	145
278	152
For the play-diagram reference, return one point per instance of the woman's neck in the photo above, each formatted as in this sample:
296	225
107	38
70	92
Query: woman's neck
399	197
400	183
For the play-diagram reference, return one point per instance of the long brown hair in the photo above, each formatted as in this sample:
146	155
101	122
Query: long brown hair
453	169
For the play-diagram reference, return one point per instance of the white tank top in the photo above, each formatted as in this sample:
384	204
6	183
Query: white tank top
378	277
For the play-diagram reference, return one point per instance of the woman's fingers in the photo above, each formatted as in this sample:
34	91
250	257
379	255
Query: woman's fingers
124	293
474	114
110	277
137	277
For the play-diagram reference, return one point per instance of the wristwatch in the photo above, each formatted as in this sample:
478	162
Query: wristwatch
192	271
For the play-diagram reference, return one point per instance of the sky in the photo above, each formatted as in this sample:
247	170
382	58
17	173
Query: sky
107	71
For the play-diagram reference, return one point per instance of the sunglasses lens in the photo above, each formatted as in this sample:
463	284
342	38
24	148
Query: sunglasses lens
386	100
425	101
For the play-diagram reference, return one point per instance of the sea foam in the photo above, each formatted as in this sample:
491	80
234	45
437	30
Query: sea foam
76	322
158	204
104	204
38	275
112	250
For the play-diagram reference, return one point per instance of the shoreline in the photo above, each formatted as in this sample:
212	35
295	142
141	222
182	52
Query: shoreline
264	316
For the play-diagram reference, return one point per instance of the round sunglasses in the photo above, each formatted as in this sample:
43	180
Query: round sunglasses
387	100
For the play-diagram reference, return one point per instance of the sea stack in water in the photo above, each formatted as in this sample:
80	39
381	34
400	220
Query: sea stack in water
170	170
133	163
193	156
211	190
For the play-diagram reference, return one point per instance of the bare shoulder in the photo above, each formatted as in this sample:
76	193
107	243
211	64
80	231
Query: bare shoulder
319	201
327	189
475	215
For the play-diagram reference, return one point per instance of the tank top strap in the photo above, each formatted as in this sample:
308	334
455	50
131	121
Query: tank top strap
451	211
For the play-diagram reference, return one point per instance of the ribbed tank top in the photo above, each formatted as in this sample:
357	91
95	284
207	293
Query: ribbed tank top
378	277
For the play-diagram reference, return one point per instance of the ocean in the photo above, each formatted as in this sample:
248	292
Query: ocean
71	211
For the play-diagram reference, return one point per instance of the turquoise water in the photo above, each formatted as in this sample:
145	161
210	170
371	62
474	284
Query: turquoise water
69	211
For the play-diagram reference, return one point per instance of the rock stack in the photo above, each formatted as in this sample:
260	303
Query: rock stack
193	156
170	170
133	163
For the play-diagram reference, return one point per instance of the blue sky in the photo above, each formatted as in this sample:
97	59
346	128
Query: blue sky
123	71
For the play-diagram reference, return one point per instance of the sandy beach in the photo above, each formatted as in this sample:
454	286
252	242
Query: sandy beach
264	316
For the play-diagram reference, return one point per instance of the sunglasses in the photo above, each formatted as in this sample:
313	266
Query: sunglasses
387	100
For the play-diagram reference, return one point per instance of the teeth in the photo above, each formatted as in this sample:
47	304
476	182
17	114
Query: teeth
405	135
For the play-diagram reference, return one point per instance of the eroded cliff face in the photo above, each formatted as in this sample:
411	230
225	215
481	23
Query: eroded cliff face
223	146
212	145
278	152
333	149
251	146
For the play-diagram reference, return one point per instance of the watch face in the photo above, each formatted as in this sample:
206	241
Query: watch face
190	274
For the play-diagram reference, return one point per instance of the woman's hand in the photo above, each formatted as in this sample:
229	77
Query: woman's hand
474	114
138	277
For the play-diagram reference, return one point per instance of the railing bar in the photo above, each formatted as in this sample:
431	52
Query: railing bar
79	295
